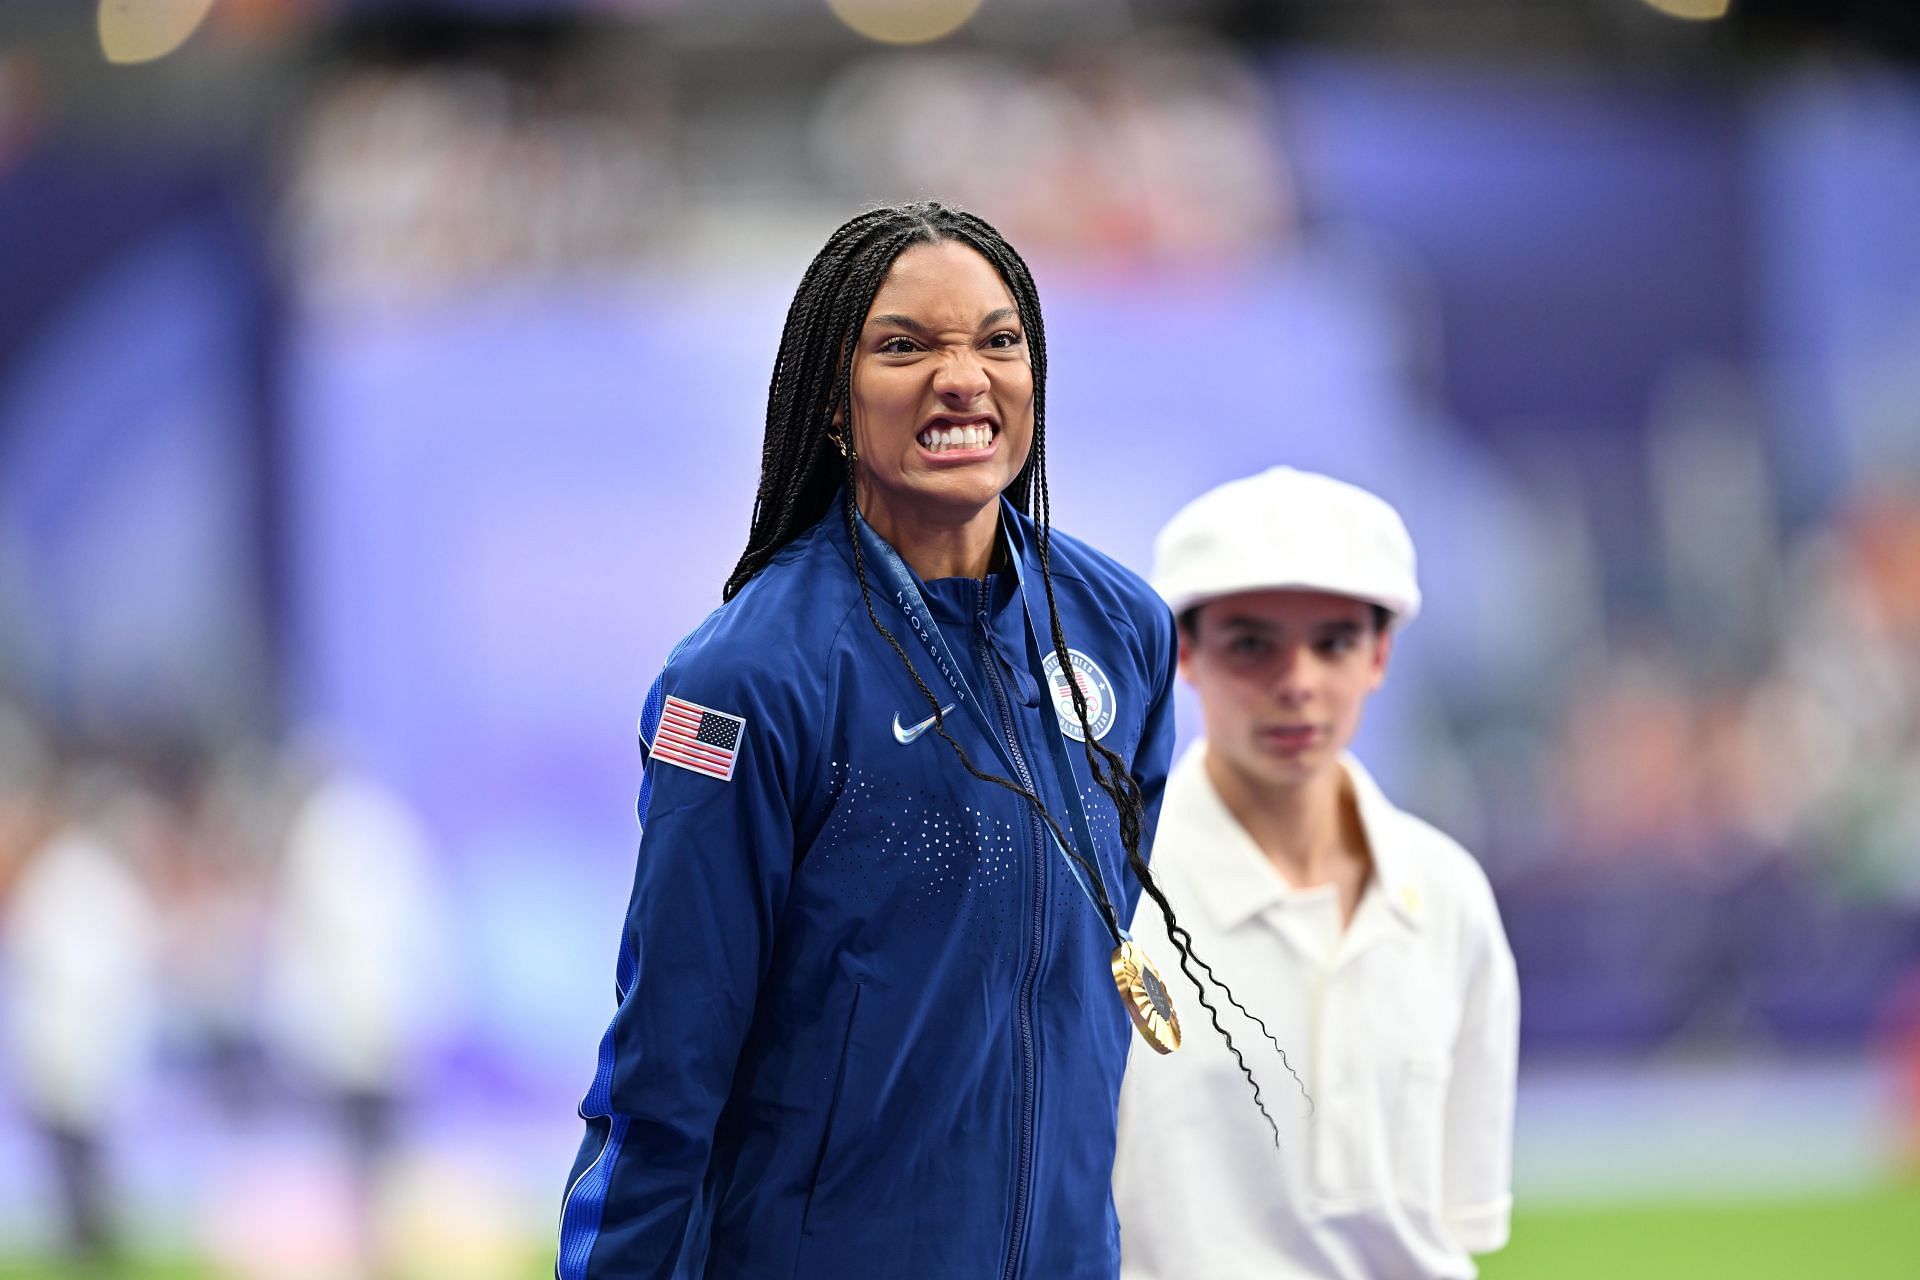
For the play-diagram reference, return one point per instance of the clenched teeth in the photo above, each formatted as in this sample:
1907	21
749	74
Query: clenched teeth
942	439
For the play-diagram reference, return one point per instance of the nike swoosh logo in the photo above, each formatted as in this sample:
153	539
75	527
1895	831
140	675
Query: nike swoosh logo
905	736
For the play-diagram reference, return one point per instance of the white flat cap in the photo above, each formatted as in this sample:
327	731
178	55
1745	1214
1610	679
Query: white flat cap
1287	530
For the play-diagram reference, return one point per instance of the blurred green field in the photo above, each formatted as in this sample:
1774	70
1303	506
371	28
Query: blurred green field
1871	1236
19	1268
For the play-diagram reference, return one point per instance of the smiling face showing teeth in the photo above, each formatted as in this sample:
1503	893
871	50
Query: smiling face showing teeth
942	398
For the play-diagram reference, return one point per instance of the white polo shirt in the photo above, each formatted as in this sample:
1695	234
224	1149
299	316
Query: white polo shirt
1404	1029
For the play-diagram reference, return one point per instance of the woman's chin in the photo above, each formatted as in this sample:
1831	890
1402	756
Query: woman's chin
954	493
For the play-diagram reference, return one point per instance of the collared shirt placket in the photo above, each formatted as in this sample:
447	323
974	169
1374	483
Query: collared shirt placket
1338	1140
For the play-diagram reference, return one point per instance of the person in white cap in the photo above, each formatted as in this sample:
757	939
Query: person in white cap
1366	939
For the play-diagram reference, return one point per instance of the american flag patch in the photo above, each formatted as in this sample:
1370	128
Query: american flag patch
698	738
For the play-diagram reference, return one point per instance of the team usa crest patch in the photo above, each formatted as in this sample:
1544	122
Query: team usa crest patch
698	738
1093	682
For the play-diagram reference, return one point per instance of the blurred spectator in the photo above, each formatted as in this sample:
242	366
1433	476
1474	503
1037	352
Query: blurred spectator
213	887
1900	1042
77	953
25	798
22	95
1132	153
357	944
1739	843
1851	658
414	180
1814	752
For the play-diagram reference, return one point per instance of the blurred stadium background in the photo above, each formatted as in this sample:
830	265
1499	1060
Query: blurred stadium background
380	393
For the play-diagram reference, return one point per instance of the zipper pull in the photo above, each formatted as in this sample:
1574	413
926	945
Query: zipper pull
1025	687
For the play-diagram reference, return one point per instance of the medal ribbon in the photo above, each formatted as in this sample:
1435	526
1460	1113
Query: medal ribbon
1040	643
906	595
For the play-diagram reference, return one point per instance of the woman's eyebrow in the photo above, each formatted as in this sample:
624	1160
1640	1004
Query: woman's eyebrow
894	320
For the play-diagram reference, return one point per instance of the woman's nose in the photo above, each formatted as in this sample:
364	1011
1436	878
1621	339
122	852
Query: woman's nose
961	378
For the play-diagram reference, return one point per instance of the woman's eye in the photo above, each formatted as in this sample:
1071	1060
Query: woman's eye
1246	646
897	346
1004	339
1337	646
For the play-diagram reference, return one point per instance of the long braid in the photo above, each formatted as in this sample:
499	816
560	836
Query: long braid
1115	779
1124	790
795	487
940	716
812	384
861	287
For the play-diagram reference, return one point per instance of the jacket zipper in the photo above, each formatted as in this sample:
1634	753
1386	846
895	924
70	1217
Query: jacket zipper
1023	1189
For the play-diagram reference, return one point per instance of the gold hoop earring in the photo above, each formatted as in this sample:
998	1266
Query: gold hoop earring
840	443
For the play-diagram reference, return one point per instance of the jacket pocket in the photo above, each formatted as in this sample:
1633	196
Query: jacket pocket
833	1103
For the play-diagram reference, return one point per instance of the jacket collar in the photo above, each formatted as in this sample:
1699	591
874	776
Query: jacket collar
1233	879
833	527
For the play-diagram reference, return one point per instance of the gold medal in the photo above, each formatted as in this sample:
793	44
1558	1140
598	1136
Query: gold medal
1146	998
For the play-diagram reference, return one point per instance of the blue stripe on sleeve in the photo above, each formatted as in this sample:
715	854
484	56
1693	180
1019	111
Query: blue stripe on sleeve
587	1198
580	1219
580	1214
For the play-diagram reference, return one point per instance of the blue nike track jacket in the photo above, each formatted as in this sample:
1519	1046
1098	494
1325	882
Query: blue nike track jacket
866	1024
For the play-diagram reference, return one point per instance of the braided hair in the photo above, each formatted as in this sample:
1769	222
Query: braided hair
803	464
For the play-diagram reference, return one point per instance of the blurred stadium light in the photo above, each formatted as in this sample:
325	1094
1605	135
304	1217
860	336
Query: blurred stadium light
912	22
143	30
1691	10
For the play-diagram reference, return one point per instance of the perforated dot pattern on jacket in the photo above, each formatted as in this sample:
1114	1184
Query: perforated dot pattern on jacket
1103	821
888	843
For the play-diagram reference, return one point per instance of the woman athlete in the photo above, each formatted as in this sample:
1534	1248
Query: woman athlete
873	991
